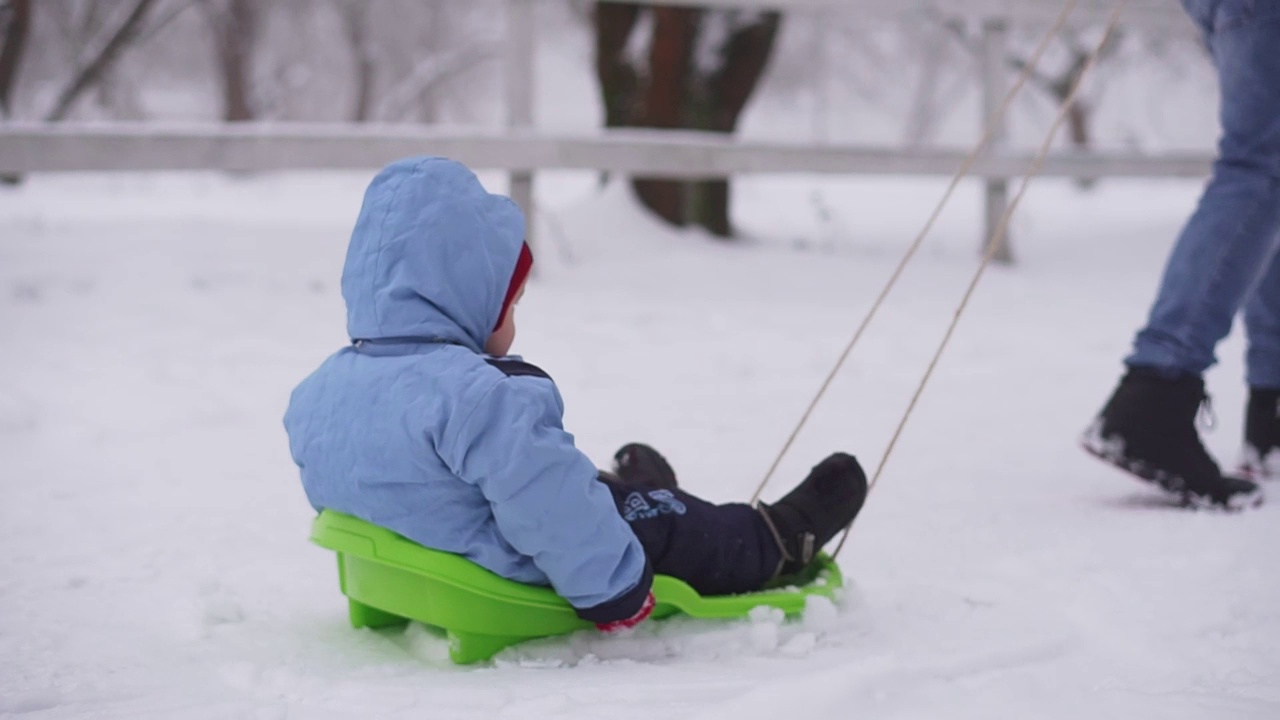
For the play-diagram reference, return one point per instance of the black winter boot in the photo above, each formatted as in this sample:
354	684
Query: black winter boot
639	465
1148	429
810	515
1261	457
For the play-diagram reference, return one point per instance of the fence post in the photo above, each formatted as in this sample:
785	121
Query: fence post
995	36
518	77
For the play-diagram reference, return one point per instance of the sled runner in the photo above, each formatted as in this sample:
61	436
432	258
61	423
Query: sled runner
389	580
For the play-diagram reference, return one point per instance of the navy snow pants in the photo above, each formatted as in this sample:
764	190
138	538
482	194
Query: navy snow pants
717	549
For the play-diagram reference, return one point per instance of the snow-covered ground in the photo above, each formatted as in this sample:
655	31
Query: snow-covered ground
153	553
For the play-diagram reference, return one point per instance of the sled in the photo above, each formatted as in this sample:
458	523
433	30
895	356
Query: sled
389	580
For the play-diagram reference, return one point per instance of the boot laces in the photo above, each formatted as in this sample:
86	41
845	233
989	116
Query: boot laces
807	547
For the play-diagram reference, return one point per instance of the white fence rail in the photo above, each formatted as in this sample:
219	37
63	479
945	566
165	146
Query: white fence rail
522	149
39	147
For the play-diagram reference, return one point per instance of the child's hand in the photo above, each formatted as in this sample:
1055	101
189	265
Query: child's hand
646	609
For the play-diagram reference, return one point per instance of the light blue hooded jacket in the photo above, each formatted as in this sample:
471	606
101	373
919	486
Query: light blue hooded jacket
413	429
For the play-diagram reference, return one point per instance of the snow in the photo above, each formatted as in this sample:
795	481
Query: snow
153	529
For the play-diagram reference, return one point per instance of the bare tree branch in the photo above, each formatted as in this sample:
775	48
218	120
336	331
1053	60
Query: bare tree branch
924	113
92	70
429	74
160	23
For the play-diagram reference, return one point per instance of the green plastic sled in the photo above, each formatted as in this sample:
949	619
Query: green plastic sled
389	580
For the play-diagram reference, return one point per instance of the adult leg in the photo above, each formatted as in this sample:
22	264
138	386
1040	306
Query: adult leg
1260	458
1231	236
1262	327
1148	426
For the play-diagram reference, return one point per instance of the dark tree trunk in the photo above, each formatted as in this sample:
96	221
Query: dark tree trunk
670	65
1078	117
92	71
364	90
667	93
619	84
745	57
743	61
1078	125
235	31
16	15
356	16
1078	114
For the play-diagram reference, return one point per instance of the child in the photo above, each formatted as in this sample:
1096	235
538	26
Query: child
424	425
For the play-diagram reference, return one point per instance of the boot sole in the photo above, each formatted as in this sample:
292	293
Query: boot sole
1257	472
1254	475
1093	443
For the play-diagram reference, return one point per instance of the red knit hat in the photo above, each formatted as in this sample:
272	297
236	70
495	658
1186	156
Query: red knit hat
523	265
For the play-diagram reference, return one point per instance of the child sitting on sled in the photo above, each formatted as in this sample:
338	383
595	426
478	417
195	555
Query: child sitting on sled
426	426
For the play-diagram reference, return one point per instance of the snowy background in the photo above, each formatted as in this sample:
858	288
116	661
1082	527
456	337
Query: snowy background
153	532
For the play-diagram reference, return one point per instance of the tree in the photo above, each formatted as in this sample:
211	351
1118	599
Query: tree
1056	85
235	25
355	22
662	99
1059	86
100	58
15	26
720	95
416	91
619	80
700	69
940	84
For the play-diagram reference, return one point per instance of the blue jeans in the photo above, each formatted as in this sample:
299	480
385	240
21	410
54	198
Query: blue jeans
1226	256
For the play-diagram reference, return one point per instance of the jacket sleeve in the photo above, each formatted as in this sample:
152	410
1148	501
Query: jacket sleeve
546	499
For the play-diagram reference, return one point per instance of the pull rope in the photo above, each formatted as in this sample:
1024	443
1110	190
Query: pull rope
987	133
996	237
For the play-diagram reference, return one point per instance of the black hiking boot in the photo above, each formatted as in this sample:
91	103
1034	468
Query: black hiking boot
1148	429
810	515
1260	459
639	465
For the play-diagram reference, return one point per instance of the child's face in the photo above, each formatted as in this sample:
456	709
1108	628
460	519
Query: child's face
499	343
